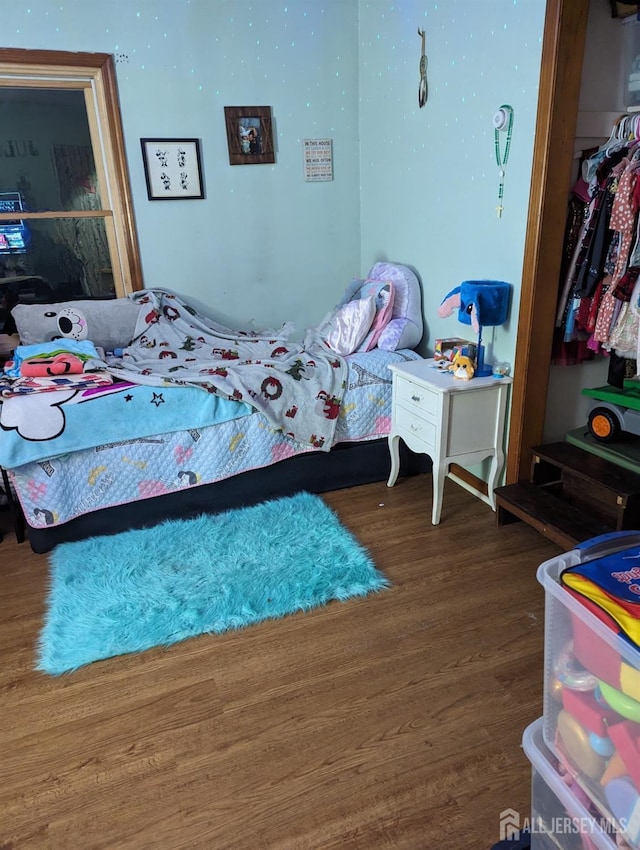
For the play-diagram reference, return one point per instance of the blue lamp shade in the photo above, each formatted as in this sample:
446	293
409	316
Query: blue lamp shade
479	303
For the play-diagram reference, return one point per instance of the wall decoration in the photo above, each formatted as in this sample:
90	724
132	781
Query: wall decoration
249	135
172	169
502	123
318	159
422	87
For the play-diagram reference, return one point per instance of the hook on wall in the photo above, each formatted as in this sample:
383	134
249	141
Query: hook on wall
422	88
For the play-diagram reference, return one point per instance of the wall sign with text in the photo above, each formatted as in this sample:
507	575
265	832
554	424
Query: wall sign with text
318	159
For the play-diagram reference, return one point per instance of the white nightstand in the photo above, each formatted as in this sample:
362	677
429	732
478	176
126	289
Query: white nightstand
450	420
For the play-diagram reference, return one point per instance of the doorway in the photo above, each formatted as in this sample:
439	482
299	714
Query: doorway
563	46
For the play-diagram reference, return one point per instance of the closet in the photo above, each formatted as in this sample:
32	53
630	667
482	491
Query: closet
601	105
579	103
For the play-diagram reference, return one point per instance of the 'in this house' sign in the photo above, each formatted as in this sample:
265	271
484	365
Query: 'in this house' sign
318	159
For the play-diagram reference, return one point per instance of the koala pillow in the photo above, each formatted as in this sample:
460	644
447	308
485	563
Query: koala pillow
108	323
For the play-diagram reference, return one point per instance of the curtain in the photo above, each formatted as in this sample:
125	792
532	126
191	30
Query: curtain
86	238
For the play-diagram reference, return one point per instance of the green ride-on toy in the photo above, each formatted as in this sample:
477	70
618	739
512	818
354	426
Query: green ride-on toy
614	412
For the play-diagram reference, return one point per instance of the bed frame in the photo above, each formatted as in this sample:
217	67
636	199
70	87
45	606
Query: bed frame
346	465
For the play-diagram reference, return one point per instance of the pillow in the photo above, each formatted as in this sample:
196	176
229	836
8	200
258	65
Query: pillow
108	323
345	330
383	294
406	326
390	338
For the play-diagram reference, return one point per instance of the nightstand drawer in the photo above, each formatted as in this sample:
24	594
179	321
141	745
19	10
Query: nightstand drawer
417	427
414	396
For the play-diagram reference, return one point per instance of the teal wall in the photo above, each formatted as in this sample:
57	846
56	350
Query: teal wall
429	176
264	246
417	186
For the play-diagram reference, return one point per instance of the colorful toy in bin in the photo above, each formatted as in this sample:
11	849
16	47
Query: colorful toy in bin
626	738
621	791
583	721
572	743
571	674
610	586
597	755
602	660
593	716
623	800
623	704
629	680
594	713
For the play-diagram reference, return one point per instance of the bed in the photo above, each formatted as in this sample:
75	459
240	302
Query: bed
150	444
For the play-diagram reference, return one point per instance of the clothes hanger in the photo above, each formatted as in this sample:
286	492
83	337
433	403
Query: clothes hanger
621	129
627	129
615	141
613	136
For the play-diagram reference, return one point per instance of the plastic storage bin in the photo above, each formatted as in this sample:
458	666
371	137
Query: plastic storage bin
592	688
560	816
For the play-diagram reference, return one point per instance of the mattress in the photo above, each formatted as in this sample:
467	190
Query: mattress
55	490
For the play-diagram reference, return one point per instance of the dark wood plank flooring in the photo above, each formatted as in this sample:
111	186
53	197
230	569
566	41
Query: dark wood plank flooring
392	721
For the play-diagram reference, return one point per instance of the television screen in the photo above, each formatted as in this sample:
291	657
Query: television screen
14	234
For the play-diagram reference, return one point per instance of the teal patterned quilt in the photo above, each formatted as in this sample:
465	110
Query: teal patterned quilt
56	489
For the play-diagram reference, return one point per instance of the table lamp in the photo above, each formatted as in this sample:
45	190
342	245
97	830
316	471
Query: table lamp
480	303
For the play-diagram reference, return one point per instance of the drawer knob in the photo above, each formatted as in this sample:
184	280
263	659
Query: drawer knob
415	398
415	427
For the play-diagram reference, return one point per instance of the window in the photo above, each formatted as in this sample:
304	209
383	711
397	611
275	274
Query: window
66	217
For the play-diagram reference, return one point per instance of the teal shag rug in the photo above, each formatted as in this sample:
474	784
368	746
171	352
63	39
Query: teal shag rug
156	586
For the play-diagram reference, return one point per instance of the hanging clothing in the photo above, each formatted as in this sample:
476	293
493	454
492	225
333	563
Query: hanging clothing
623	219
598	308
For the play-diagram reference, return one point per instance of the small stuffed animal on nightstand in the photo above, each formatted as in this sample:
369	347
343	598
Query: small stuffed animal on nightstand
462	367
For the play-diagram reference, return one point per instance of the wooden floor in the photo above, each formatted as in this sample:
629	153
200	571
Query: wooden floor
392	721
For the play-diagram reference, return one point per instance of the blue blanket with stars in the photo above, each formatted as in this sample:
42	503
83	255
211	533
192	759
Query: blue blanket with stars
45	425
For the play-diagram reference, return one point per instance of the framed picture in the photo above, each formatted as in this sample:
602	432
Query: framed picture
172	169
249	135
318	159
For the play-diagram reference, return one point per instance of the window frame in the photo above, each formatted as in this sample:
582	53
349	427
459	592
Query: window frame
95	75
